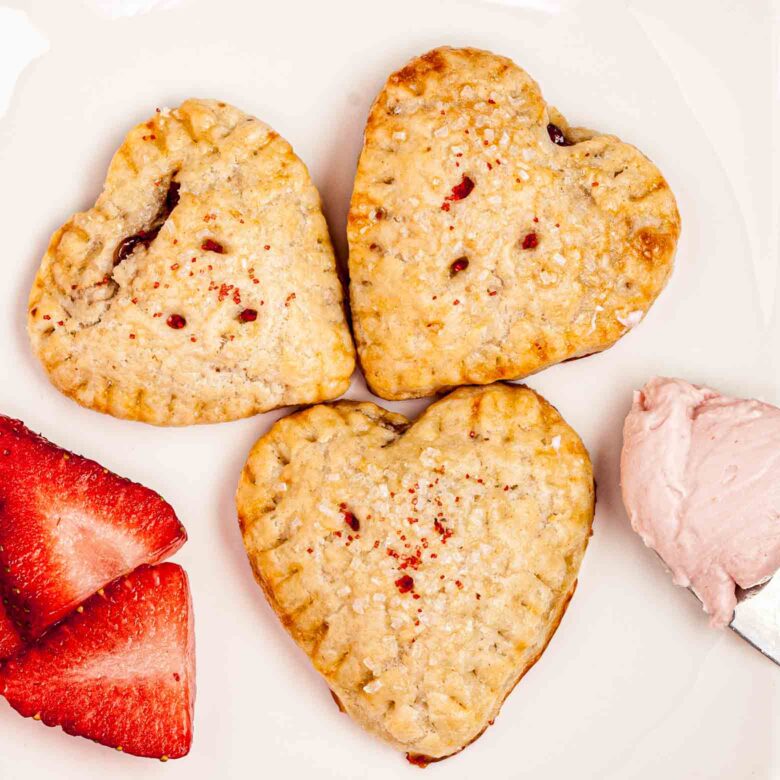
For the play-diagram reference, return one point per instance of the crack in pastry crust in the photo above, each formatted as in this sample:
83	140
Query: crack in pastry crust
423	566
202	285
562	246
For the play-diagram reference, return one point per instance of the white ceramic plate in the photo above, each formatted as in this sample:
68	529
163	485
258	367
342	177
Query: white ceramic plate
635	684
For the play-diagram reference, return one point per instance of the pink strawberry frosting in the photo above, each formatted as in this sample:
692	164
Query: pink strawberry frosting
700	474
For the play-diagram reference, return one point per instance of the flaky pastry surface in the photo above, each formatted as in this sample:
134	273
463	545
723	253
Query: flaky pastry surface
202	285
423	566
482	250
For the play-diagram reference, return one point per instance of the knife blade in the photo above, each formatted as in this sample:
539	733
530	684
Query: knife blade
757	617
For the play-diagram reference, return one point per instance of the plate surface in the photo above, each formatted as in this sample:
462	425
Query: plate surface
634	684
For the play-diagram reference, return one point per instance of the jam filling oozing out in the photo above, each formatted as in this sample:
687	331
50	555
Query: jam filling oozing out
557	136
127	245
176	321
461	264
248	315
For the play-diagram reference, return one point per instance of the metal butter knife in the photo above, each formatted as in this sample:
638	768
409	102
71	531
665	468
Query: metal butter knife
757	617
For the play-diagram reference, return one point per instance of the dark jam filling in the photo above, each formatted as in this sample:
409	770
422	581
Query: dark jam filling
176	321
128	245
557	136
352	521
461	264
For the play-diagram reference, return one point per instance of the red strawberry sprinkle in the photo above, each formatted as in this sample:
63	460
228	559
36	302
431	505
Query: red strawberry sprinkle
462	190
531	241
210	245
404	584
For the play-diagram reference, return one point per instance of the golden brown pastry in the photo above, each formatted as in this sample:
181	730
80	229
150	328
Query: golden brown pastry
202	286
488	239
423	566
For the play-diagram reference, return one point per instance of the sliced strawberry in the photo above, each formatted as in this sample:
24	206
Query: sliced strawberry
121	672
10	641
68	527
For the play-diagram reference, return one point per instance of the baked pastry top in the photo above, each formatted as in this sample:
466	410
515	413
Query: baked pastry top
423	566
202	285
488	239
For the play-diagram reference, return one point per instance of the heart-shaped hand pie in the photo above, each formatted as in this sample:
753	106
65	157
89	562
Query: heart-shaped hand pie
202	285
422	567
487	238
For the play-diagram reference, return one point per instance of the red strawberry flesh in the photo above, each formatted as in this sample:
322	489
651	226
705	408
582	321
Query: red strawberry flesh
10	641
68	527
121	672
